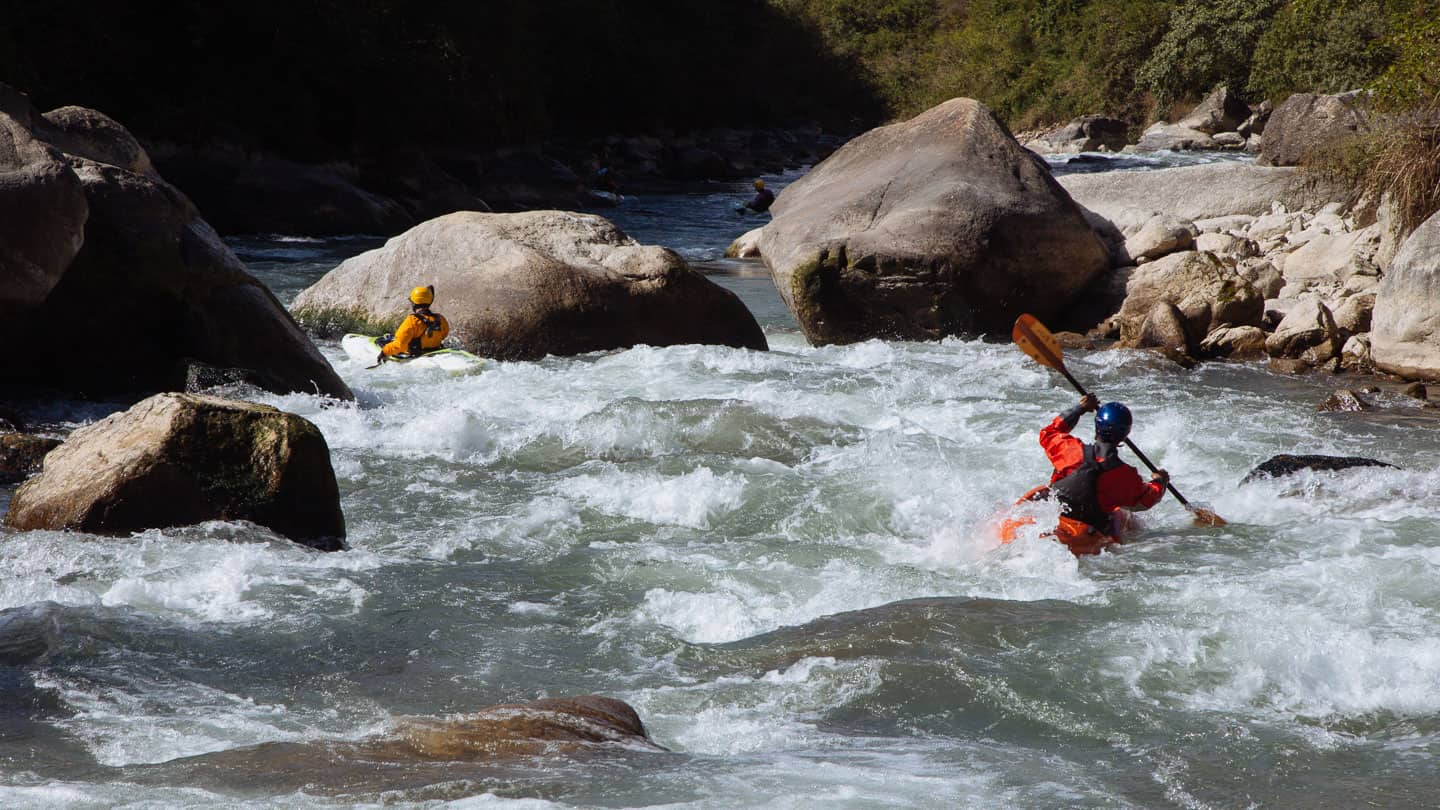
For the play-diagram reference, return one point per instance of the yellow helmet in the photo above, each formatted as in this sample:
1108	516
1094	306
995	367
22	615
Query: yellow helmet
423	296
759	184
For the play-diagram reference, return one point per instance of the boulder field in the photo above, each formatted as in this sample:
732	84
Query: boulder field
181	459
110	278
523	286
935	226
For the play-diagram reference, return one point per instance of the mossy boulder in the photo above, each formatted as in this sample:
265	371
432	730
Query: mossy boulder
181	459
935	226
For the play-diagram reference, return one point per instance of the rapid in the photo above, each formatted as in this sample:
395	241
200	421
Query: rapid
782	560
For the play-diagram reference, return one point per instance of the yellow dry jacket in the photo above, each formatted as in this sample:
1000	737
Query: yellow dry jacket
421	332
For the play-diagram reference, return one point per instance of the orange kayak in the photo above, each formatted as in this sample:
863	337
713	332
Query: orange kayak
1080	538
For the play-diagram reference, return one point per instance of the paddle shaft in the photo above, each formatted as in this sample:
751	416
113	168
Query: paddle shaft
1060	367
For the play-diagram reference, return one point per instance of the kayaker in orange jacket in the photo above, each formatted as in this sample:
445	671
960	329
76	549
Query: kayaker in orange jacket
1095	488
422	330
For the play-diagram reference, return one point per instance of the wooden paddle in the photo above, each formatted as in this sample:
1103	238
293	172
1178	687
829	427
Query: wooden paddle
1035	340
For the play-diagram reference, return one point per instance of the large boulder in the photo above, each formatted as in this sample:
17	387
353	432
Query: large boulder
151	284
522	286
1088	133
181	459
1221	111
42	210
1205	293
1405	336
1194	193
1161	236
1306	122
935	226
1333	258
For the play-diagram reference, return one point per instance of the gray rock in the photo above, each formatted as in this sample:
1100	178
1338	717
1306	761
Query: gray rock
151	276
1286	464
1205	293
1307	332
1234	342
1333	258
1406	332
1227	246
523	286
1220	112
1163	327
1161	236
1344	401
42	211
181	459
1254	126
1129	199
1088	133
1229	140
747	246
1353	315
935	226
1355	354
1172	137
1306	122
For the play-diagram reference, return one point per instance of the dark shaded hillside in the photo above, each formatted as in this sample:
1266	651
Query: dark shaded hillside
318	79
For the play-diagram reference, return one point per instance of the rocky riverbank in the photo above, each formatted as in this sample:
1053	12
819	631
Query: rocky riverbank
386	193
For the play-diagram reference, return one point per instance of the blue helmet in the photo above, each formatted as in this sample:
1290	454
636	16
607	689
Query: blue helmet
1112	422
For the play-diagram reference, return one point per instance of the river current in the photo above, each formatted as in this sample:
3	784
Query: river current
782	560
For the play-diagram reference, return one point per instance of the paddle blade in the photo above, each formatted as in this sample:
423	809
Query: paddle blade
1035	340
1204	517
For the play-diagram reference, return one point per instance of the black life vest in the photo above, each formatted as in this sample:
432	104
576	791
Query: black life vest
432	325
1078	492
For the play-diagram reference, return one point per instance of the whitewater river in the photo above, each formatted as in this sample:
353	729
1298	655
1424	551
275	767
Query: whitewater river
781	560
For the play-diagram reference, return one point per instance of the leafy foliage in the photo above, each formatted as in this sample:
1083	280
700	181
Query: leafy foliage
1324	46
1207	43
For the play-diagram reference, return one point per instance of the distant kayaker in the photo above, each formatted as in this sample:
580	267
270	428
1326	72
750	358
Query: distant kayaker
761	202
422	331
1096	490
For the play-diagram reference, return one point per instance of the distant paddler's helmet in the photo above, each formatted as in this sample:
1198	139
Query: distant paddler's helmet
1112	422
759	184
423	296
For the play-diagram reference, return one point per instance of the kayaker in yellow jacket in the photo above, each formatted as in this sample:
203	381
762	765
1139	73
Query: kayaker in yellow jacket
422	331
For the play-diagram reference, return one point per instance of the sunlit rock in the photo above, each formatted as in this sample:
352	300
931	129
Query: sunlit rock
181	459
935	226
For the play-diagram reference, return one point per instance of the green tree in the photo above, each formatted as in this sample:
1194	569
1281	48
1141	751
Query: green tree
1205	44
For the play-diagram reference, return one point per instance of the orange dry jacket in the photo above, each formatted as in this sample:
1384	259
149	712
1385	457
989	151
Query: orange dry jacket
413	329
1117	488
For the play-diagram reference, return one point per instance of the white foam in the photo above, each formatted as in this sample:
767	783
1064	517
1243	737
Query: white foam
692	499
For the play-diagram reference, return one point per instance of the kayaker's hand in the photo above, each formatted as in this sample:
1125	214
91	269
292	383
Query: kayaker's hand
1161	477
380	358
1089	403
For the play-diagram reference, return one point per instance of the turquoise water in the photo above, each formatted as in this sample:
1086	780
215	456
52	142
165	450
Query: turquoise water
782	561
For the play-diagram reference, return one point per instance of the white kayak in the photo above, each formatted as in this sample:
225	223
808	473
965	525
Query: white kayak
365	349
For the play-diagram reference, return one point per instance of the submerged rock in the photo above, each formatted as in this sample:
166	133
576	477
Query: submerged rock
523	286
181	459
1344	401
21	455
935	226
747	246
1285	464
586	725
